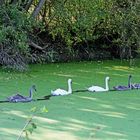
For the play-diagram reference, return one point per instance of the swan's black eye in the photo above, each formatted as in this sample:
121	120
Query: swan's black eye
34	87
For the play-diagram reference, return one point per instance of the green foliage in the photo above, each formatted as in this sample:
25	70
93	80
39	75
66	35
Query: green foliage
30	125
124	21
95	20
86	23
40	110
29	130
52	56
15	25
76	20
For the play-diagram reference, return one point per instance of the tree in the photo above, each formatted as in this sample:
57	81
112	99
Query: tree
38	8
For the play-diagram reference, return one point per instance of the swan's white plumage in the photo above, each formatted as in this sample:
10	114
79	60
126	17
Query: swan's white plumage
98	88
59	92
63	92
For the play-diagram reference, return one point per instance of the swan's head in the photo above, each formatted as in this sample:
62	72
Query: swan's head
130	76
33	87
69	80
107	78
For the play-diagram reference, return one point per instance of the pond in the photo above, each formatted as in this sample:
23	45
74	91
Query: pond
79	116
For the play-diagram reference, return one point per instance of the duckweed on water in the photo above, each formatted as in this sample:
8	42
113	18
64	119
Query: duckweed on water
80	116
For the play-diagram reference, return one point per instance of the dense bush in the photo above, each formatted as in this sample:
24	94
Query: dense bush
77	29
15	27
113	23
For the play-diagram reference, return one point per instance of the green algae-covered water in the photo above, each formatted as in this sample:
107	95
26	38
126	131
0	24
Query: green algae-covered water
112	115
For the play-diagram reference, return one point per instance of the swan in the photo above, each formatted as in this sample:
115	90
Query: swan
20	98
100	89
121	87
62	92
135	86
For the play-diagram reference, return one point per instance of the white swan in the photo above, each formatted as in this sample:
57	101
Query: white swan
98	89
62	92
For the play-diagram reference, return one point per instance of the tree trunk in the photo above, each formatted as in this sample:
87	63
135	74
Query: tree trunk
38	8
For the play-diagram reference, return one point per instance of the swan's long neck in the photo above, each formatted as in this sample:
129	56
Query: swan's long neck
129	82
106	84
69	88
31	93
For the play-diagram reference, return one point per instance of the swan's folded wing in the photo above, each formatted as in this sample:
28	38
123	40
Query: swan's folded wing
59	92
17	96
20	96
95	89
121	88
136	86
